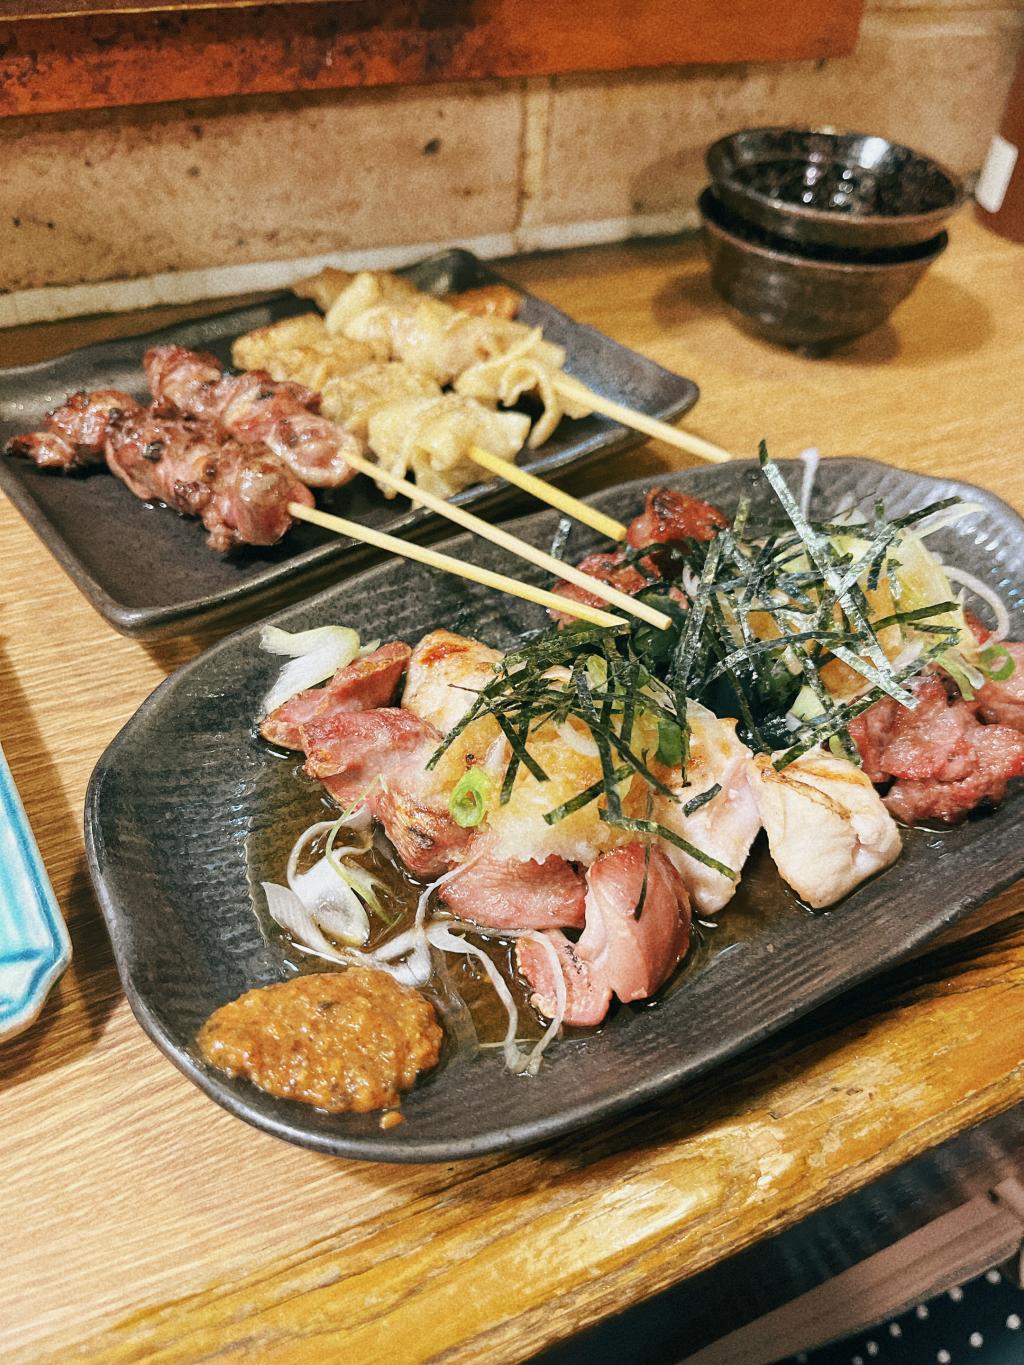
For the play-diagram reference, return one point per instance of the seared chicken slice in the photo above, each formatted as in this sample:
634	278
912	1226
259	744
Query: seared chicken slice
446	671
637	931
723	827
827	827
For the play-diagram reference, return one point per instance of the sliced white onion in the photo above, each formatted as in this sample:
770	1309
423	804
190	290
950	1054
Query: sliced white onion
561	995
416	969
287	910
315	656
332	903
573	739
533	1058
359	818
398	946
810	459
986	594
324	827
946	516
363	883
441	937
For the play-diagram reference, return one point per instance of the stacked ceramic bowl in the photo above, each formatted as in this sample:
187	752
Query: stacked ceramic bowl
815	236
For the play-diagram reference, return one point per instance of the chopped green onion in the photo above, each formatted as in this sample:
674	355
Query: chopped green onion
670	743
996	662
470	795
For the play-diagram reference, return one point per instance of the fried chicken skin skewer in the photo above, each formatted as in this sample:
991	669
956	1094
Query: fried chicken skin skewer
472	341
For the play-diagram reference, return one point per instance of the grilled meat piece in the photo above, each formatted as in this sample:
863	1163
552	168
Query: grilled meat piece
76	432
1002	703
609	568
240	493
637	931
254	408
827	827
382	755
514	893
670	516
365	684
944	760
726	826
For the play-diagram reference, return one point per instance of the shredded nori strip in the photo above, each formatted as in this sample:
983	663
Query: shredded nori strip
584	797
820	552
560	539
695	802
649	827
788	571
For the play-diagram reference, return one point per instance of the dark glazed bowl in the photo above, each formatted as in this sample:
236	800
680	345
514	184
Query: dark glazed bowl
847	190
802	299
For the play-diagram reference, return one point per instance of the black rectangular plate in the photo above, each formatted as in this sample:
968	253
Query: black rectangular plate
149	572
185	794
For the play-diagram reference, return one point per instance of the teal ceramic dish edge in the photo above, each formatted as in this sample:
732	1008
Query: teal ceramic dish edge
34	944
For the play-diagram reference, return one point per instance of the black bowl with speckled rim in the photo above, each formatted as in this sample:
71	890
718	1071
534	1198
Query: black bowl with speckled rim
800	299
182	801
817	186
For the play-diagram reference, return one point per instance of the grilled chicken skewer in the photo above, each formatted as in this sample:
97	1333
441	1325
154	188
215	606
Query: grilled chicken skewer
486	354
254	409
195	384
428	433
492	357
240	493
412	426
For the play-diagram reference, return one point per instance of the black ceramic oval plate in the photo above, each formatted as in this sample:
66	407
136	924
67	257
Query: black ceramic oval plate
149	572
185	794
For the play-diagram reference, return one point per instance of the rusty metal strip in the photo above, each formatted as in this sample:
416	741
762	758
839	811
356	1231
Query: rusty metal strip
50	65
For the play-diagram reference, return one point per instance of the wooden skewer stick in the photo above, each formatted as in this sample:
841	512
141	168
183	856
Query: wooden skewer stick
546	492
435	560
569	387
512	543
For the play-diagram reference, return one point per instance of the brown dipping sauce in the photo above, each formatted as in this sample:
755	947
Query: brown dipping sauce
343	1041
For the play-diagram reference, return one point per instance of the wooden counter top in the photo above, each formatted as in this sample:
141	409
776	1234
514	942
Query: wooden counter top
140	1221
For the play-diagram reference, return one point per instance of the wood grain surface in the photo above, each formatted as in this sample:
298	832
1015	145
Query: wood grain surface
142	1222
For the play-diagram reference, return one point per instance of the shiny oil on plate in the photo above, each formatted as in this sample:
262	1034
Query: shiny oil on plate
185	794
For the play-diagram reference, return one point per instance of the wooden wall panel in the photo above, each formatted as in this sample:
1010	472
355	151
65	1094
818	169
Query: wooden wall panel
50	65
